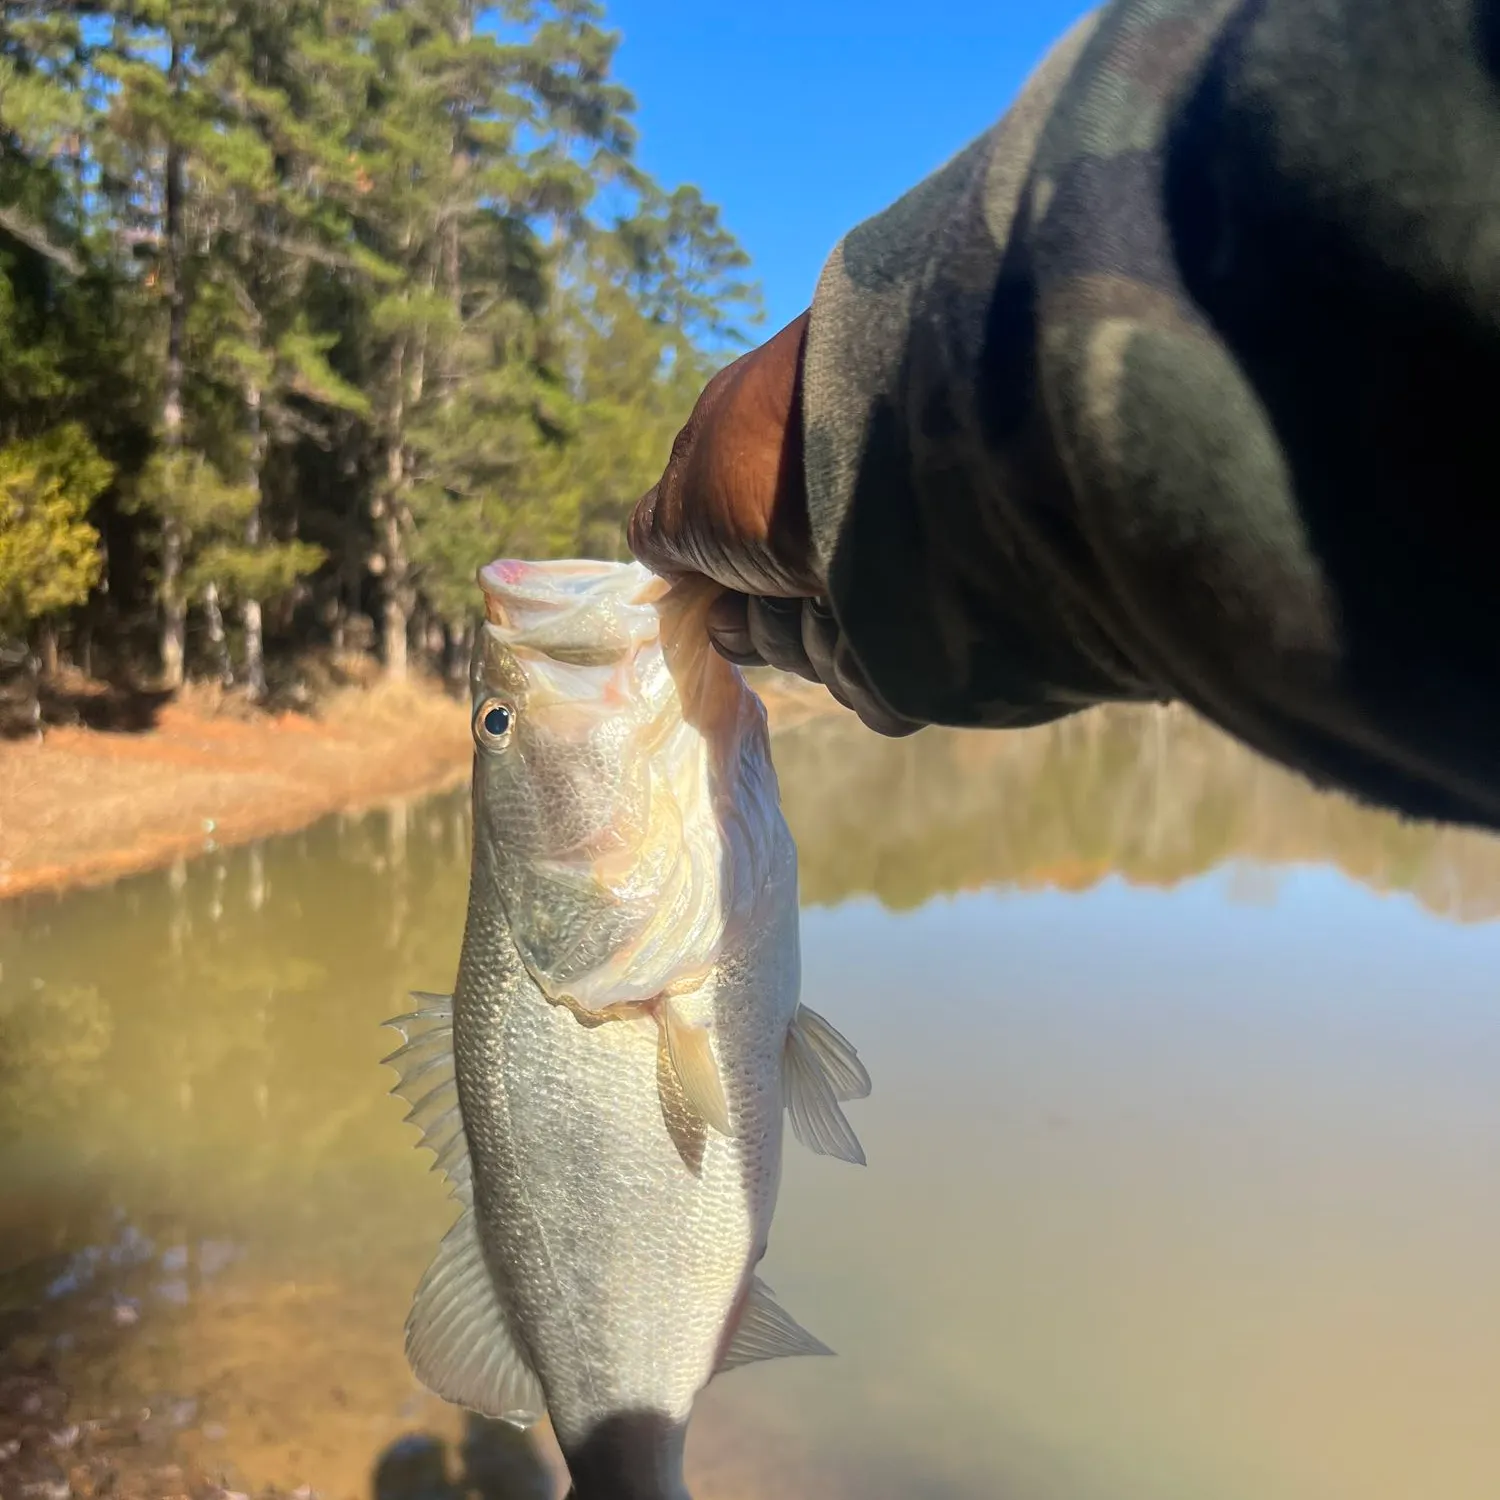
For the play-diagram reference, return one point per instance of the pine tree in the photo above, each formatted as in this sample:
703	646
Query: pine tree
69	392
154	121
573	351
352	295
213	173
265	370
657	302
44	114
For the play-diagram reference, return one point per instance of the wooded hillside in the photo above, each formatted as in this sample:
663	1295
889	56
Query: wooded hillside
307	307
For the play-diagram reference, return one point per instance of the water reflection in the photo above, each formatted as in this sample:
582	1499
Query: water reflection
1153	797
1170	1195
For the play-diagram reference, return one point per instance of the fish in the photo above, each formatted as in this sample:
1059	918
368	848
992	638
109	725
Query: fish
606	1086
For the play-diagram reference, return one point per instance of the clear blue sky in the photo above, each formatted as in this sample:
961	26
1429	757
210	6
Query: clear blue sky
799	118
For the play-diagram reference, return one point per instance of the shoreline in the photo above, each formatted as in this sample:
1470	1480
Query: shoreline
85	807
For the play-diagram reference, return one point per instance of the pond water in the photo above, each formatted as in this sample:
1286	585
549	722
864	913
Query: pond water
1184	1150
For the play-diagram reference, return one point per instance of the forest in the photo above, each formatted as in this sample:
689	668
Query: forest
308	307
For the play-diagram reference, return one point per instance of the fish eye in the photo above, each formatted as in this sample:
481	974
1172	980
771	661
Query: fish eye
494	721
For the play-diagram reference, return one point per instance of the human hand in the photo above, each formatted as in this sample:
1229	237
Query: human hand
732	506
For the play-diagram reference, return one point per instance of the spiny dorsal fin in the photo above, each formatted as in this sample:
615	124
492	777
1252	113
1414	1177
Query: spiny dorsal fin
693	1062
767	1331
425	1079
458	1337
847	1075
812	1104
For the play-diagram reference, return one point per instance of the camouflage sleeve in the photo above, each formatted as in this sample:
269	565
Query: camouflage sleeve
1166	388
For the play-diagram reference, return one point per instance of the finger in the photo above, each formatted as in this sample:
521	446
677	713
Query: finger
841	674
863	698
655	537
729	630
776	633
820	633
641	533
820	638
657	533
731	501
734	658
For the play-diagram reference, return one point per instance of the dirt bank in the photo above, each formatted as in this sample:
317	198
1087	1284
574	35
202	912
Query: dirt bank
87	805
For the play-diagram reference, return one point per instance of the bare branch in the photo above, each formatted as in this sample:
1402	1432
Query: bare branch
307	249
34	237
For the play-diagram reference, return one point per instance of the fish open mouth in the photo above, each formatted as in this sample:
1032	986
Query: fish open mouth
513	572
513	587
572	609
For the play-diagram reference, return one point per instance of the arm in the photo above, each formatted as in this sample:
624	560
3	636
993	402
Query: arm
1170	387
909	498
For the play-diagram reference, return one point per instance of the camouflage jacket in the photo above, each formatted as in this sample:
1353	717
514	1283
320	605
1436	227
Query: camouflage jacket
1182	382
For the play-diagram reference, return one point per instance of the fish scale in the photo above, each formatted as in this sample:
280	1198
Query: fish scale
614	1140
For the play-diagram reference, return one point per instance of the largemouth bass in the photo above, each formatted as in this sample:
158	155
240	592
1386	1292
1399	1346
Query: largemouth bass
605	1088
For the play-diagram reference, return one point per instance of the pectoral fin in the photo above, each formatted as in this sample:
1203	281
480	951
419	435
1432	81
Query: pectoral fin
846	1074
818	1069
692	1058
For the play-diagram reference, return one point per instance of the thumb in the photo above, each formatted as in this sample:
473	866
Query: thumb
644	536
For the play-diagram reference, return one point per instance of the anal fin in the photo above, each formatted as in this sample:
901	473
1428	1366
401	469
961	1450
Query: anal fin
818	1069
458	1337
767	1331
692	1059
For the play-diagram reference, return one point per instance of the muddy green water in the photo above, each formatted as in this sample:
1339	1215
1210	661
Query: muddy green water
1184	1149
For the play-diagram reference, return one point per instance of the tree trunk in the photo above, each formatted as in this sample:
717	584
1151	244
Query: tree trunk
458	644
34	693
388	513
93	609
459	167
437	641
47	640
255	649
173	608
173	605
463	653
218	645
250	611
398	593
